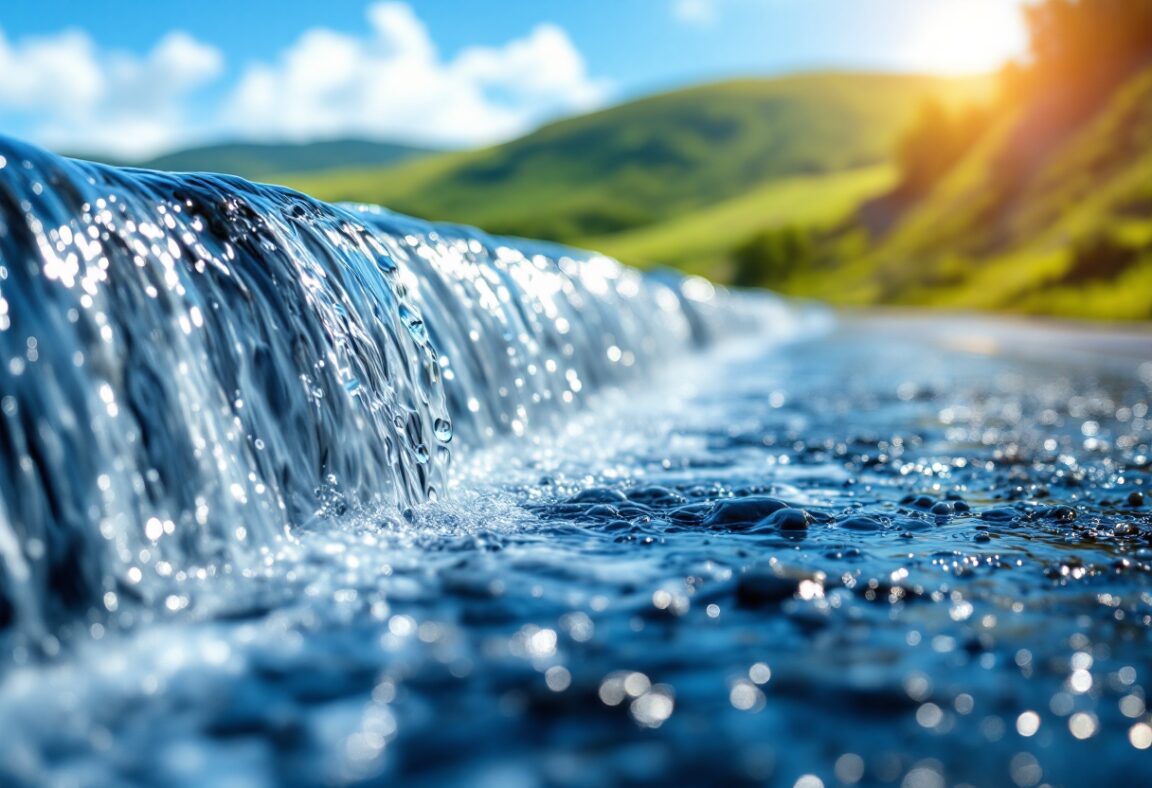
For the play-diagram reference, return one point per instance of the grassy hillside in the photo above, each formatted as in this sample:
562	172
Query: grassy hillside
640	165
1068	232
701	241
265	161
1038	200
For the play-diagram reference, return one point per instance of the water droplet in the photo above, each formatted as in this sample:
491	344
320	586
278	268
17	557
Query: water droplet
415	324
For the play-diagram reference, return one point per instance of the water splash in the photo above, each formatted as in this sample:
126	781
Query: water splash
190	365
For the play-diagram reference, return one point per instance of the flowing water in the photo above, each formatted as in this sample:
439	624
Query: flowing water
294	493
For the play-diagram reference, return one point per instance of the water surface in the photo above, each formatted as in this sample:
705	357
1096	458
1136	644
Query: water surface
295	493
873	555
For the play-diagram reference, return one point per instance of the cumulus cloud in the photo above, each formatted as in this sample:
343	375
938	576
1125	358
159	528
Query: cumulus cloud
68	94
698	13
392	82
387	81
53	73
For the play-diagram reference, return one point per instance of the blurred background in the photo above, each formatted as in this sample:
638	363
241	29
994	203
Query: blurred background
975	154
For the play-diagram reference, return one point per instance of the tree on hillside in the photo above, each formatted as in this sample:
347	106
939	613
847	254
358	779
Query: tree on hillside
1086	46
1079	50
936	140
771	256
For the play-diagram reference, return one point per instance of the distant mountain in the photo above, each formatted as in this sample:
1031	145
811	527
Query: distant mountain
262	161
649	161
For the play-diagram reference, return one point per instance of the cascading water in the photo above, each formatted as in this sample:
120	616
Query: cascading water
194	363
232	549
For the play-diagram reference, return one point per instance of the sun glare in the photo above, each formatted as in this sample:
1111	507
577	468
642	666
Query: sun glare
966	36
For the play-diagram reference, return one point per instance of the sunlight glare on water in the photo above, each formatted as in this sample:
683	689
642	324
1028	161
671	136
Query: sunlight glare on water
233	546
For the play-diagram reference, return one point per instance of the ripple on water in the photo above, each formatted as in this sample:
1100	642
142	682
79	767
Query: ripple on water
782	569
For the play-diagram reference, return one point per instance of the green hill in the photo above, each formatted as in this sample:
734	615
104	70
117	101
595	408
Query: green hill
1037	200
1065	230
642	164
265	161
701	242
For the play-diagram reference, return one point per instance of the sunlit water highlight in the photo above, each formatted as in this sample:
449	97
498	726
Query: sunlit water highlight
194	365
900	552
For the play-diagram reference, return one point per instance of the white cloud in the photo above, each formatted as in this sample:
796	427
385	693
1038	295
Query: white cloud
392	82
50	73
541	67
68	94
698	13
387	81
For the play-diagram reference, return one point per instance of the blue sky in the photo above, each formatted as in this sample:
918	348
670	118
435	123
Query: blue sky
134	78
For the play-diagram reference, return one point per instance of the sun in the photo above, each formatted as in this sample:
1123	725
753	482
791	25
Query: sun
966	36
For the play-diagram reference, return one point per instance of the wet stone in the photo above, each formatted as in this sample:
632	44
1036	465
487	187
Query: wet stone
693	513
787	519
925	502
633	510
912	524
559	615
860	523
742	513
655	495
1000	515
598	495
763	586
601	512
1060	514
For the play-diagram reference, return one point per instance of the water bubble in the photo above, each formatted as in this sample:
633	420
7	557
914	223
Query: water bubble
1025	770
929	715
541	643
653	707
923	777
1083	725
415	324
849	768
1131	706
1028	723
557	678
153	529
760	673
611	691
1140	735
746	696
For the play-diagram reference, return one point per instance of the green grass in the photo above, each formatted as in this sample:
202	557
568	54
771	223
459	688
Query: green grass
1127	297
702	241
977	241
685	178
649	161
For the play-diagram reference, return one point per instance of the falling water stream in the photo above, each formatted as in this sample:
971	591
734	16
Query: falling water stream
301	493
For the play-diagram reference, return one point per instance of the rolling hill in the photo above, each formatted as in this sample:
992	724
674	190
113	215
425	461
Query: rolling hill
701	241
599	178
1066	232
265	161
